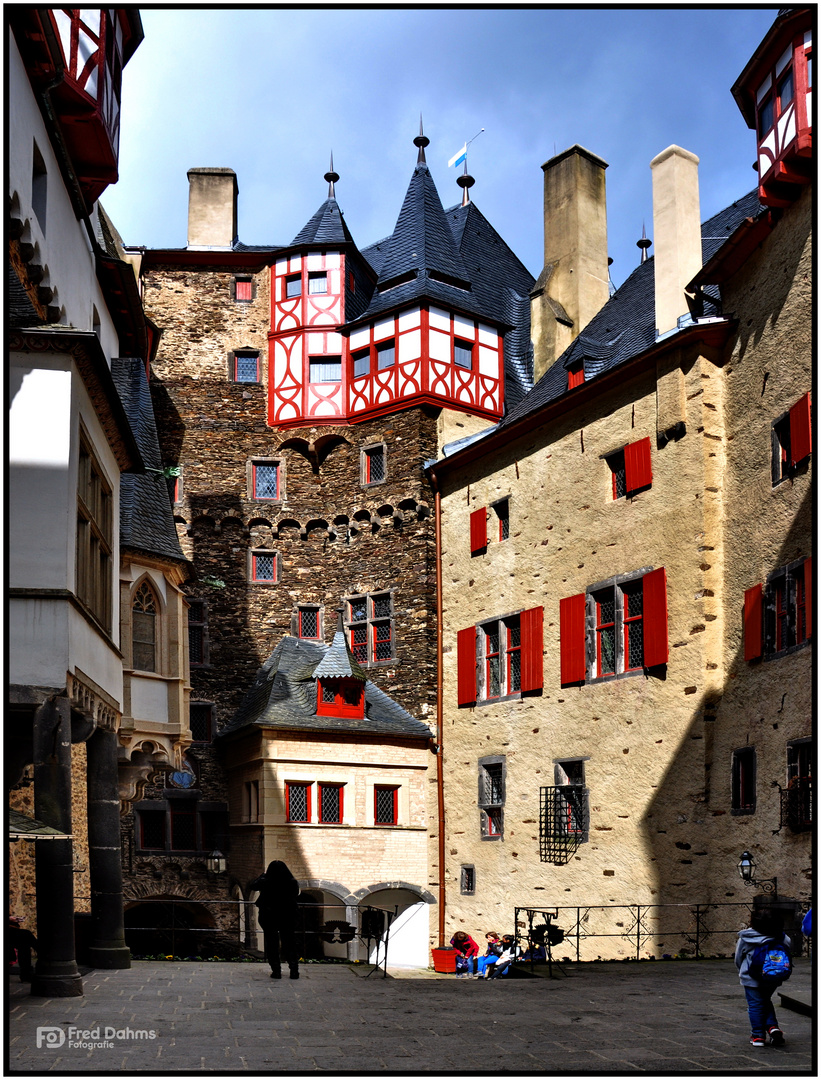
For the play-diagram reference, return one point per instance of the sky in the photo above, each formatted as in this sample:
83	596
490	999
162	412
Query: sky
271	91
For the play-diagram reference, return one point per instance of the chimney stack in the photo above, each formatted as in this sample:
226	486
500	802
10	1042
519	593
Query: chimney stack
574	285
212	208
676	232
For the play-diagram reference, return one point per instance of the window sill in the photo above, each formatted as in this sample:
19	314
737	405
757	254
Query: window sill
619	675
499	837
788	651
517	696
741	812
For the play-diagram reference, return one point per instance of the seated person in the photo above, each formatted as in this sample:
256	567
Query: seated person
467	948
494	949
510	950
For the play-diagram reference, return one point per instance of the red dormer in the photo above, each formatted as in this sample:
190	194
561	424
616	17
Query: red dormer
75	59
774	93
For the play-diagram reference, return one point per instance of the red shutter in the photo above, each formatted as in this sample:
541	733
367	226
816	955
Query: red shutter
531	624
808	594
572	613
800	430
752	622
478	530
654	611
466	666
638	470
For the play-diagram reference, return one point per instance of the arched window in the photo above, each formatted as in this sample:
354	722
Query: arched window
144	628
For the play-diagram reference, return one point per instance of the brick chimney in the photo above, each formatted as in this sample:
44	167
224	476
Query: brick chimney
676	232
212	208
573	286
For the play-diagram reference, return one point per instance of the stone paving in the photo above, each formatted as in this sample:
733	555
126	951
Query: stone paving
221	1017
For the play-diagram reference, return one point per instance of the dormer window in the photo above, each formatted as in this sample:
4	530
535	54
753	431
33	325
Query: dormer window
340	697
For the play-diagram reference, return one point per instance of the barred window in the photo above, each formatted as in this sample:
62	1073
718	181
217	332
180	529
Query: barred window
491	798
201	715
385	805
197	633
370	627
144	609
467	880
298	801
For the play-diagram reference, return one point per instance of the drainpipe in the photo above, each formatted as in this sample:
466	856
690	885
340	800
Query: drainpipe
440	793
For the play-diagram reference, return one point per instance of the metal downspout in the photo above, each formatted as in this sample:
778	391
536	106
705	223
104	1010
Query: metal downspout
440	793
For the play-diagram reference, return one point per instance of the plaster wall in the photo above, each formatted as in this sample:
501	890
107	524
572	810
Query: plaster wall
62	248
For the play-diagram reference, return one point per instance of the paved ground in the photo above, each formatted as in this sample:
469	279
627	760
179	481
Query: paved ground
212	1017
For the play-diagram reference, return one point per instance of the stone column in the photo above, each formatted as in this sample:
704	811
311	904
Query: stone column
56	973
108	948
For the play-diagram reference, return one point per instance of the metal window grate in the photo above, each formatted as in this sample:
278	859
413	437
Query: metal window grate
385	810
494	784
266	481
382	641
263	568
382	607
796	804
195	644
329	801
563	822
376	465
200	719
247	366
308	623
328	694
359	643
297	802
468	884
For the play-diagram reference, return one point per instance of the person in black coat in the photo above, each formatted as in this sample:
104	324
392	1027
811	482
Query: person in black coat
277	904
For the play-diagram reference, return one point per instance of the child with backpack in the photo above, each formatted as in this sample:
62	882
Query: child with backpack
762	957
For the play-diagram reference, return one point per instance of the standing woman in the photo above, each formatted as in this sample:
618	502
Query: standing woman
277	904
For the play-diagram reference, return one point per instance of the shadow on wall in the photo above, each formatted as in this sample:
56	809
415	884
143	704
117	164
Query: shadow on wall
692	832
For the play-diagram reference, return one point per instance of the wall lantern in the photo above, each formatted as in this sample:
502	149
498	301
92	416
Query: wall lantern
216	862
746	870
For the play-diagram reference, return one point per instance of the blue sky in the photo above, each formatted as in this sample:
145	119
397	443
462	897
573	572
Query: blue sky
270	92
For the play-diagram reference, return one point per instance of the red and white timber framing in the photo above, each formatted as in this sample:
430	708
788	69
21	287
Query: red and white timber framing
371	381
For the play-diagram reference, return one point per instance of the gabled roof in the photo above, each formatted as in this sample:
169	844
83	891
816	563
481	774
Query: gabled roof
284	696
327	226
146	517
626	325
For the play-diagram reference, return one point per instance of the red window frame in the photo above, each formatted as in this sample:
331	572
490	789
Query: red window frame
395	792
265	465
356	356
339	788
272	555
246	356
575	376
348	698
382	635
292	785
602	627
492	655
244	289
370	454
493	821
289	279
300	633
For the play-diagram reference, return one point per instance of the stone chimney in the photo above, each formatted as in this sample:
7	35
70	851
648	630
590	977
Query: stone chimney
574	284
676	232
212	208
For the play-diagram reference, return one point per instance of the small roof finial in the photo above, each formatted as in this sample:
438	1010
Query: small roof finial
421	141
331	177
644	243
465	182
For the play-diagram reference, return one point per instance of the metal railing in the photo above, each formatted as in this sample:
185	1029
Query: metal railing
236	933
661	931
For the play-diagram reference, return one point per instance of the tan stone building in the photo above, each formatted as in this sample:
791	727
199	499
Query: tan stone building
626	576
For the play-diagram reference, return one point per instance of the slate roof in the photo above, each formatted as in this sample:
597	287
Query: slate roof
626	325
283	696
146	517
327	226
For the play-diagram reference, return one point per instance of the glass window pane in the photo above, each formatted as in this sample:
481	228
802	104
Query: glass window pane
376	465
266	481
463	354
195	644
381	607
635	644
247	367
183	830
359	609
293	286
327	370
385	813
264	567
382	641
329	808
785	90
765	115
317	283
200	718
361	363
359	643
308	623
297	802
607	651
386	355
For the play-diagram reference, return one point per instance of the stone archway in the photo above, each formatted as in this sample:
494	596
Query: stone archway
409	935
168	925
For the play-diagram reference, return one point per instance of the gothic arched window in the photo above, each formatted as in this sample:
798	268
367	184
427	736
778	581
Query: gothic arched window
144	629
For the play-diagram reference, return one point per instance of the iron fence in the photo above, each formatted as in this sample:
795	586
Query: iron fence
658	931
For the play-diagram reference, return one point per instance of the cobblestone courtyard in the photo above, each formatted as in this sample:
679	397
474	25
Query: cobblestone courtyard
214	1017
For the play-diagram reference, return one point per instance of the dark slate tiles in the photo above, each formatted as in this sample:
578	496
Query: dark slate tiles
327	226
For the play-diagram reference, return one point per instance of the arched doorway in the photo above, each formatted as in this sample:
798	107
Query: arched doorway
409	936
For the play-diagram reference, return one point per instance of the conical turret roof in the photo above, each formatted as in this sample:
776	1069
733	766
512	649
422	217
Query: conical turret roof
327	226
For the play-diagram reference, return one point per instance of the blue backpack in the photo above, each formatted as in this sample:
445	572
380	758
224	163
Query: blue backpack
770	963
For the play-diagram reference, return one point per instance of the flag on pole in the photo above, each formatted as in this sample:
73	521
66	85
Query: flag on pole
459	157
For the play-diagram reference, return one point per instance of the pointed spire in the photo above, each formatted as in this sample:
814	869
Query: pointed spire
421	141
331	177
465	182
644	243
